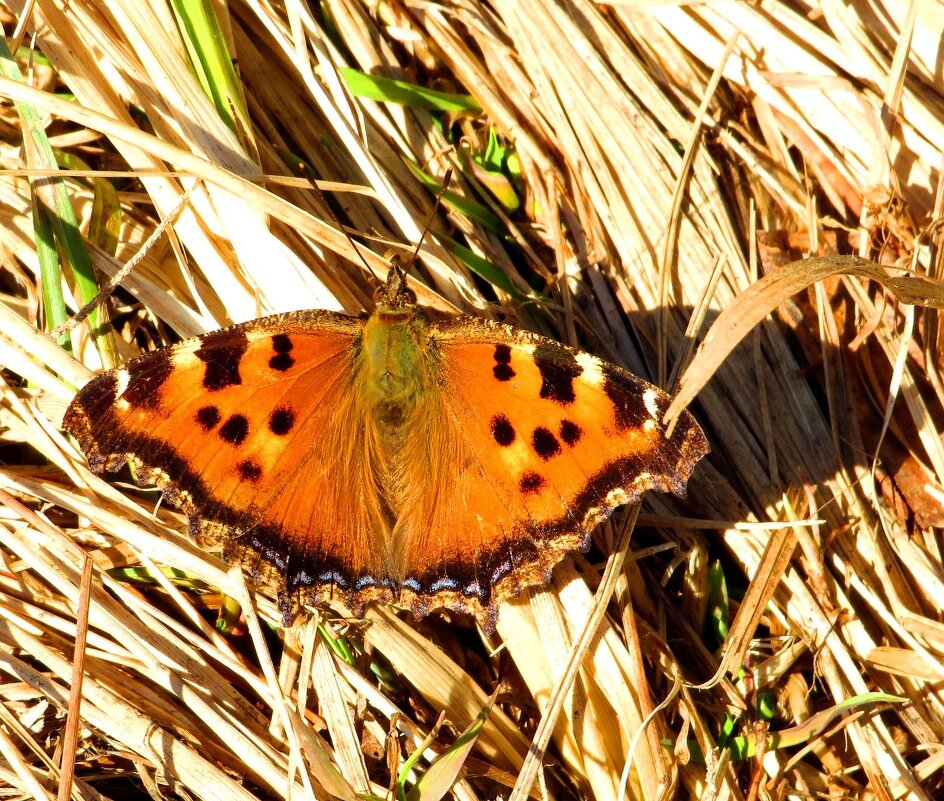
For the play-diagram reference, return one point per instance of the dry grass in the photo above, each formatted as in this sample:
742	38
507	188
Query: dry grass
670	156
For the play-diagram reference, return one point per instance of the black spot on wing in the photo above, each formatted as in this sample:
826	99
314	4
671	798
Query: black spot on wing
531	483
282	421
221	352
249	470
208	417
235	429
281	362
146	377
502	369
558	368
570	432
502	430
282	345
545	444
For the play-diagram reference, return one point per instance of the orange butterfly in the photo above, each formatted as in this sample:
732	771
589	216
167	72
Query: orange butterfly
428	464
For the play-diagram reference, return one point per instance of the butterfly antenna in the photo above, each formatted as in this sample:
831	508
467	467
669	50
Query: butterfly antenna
398	265
432	212
313	181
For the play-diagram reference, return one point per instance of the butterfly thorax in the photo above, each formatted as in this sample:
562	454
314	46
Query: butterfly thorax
394	374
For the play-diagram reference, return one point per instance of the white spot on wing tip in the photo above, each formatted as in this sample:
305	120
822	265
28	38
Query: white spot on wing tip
181	357
592	368
122	379
651	400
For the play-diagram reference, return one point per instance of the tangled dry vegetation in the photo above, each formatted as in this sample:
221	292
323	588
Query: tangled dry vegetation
638	179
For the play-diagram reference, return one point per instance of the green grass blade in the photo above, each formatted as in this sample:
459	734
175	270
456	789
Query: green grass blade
50	195
443	773
484	269
212	61
388	90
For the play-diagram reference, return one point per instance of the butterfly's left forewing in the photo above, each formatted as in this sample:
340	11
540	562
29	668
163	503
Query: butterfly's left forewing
552	441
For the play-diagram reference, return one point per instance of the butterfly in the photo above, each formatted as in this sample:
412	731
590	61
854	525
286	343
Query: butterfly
395	459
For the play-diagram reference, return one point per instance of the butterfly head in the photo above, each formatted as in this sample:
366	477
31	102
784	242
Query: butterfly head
395	294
